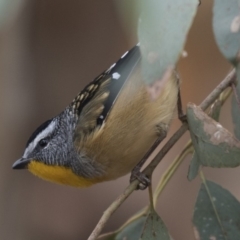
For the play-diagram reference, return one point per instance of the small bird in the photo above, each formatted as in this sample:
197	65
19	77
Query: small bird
105	131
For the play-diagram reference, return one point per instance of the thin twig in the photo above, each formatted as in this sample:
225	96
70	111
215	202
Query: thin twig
171	170
111	209
227	81
150	168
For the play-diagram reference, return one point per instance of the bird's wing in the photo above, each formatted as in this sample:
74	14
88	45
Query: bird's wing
94	103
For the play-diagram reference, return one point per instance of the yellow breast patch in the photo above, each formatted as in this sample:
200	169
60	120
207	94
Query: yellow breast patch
60	174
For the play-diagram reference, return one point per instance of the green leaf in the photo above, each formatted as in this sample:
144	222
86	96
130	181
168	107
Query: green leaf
162	31
154	228
193	168
132	230
195	163
226	26
107	236
214	145
236	107
217	214
144	227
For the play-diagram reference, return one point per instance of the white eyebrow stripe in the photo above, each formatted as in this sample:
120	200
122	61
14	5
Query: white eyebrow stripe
49	129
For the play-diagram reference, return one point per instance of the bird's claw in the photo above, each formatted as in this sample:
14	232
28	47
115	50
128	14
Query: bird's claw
144	180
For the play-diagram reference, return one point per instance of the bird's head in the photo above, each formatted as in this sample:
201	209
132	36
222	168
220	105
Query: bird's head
51	155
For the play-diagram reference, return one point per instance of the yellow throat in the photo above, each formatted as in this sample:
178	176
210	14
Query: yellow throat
60	174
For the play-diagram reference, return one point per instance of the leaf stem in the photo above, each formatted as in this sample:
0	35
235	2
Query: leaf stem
171	170
150	192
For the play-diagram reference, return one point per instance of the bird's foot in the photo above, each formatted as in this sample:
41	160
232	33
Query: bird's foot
144	180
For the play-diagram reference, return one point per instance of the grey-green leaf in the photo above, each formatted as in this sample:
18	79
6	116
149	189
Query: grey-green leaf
214	145
193	168
217	214
132	230
154	228
162	31
195	163
107	236
226	26
236	106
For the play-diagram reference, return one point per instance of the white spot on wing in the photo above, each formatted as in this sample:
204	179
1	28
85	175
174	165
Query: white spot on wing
112	66
124	54
48	130
116	75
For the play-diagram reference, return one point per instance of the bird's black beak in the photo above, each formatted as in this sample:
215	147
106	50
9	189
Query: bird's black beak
21	163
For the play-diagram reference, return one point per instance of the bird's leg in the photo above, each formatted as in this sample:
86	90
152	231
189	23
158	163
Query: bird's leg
136	172
162	129
181	116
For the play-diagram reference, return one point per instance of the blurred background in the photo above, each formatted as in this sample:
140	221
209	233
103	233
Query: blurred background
48	51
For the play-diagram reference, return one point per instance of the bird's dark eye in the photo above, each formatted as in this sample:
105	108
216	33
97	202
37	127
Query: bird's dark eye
43	142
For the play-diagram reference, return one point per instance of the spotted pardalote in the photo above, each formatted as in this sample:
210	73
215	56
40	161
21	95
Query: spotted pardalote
105	131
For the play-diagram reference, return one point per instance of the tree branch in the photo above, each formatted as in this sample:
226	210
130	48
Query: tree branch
150	168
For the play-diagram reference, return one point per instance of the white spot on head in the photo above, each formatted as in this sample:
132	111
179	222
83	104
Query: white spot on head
124	54
101	116
44	133
116	75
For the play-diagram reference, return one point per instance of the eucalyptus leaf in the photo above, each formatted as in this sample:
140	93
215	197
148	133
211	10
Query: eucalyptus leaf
194	167
162	31
214	145
226	27
195	163
236	107
217	214
132	230
154	228
107	236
